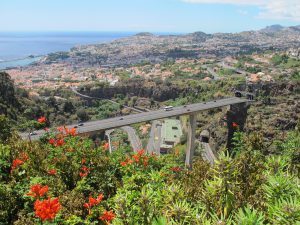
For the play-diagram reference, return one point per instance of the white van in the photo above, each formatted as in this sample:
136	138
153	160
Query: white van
168	108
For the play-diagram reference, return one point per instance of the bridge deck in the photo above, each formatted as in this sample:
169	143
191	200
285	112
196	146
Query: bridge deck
116	122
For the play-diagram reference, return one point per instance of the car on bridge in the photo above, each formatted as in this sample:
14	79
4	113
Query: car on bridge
168	108
248	95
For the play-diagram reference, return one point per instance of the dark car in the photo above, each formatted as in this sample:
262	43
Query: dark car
121	118
80	125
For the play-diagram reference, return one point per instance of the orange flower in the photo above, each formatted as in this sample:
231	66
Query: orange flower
52	172
107	216
38	190
16	163
73	132
42	119
83	161
47	209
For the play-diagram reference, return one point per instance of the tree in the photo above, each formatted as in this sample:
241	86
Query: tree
5	128
82	115
68	107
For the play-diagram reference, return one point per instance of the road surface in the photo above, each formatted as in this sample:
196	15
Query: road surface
226	66
208	153
153	145
134	139
116	122
212	72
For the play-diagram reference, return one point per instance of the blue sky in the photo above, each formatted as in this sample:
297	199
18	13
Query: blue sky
146	15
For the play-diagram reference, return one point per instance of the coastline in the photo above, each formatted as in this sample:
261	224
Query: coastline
21	62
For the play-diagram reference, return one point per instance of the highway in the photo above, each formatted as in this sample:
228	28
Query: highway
134	139
208	153
153	145
226	66
212	72
116	122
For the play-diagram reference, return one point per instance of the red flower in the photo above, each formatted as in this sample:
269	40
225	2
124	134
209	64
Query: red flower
60	142
234	125
85	171
83	174
93	201
145	163
141	152
136	158
38	190
123	163
42	119
16	163
107	216
52	172
71	132
47	209
51	141
83	161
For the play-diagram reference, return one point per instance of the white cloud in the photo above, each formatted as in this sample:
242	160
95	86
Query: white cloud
269	9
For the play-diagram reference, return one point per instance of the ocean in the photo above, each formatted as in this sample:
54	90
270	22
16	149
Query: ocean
16	47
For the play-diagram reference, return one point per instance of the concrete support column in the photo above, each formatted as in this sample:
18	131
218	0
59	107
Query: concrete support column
107	133
190	141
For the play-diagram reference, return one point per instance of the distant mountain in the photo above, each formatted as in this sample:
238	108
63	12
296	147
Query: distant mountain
272	28
200	36
144	34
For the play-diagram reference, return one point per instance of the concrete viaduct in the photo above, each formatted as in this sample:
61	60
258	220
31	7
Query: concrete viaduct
93	127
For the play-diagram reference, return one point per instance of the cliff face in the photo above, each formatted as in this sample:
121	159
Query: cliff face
158	92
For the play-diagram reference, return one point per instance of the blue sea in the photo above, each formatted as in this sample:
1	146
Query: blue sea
16	47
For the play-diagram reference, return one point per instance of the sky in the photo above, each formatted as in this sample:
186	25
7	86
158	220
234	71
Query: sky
178	16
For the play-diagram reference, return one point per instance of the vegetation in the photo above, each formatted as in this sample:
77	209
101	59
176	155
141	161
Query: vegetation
82	184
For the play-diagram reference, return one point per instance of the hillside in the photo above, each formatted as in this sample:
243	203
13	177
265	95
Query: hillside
153	48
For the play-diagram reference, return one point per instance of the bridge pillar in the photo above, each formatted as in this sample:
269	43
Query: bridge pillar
190	150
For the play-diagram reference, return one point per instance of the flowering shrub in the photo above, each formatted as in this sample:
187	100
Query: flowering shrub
141	188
